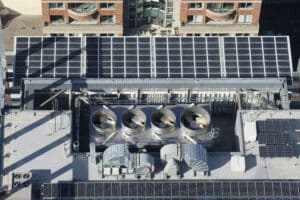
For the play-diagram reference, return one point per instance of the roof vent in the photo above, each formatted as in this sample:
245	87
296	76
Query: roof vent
195	121
163	121
133	121
104	121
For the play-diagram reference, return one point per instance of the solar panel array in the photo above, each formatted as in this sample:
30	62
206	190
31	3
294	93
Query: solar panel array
187	57
48	57
118	57
257	57
274	137
220	189
153	57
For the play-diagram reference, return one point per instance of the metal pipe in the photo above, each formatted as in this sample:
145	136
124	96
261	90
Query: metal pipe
51	98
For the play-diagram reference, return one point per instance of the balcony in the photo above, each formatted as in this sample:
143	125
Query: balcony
220	11
217	16
82	11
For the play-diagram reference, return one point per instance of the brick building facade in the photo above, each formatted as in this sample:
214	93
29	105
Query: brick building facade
182	17
82	17
219	17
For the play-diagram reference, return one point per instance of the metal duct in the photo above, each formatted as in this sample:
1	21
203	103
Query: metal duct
195	156
170	151
172	168
117	156
144	164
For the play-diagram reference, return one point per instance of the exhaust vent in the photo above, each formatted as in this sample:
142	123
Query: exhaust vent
133	121
104	121
195	121
163	121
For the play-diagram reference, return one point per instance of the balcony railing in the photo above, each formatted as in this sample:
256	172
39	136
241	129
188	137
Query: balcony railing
223	15
82	11
82	16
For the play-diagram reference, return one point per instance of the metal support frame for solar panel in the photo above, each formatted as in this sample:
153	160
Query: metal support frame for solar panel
187	189
274	138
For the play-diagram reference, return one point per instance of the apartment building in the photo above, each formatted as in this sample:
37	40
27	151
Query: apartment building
82	17
219	17
197	17
175	17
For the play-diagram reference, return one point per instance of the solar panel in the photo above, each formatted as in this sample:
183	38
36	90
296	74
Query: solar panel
268	188
99	190
152	57
274	137
257	57
276	151
48	57
141	189
219	189
187	57
118	57
294	189
183	189
125	189
277	189
192	188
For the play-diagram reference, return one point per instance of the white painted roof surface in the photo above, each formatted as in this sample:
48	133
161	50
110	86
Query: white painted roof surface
35	141
39	145
80	168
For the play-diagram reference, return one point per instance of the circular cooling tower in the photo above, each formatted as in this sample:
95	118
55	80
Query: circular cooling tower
163	121
104	121
195	121
133	121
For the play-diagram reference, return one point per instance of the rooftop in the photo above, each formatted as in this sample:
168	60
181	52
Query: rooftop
23	154
27	25
37	142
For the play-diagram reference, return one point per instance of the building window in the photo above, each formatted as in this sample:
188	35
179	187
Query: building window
194	5
245	19
107	5
132	3
242	34
170	10
107	19
106	34
245	5
195	19
56	5
57	34
89	35
57	19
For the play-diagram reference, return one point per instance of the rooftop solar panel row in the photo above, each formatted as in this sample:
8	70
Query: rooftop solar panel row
48	57
171	189
152	57
274	137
